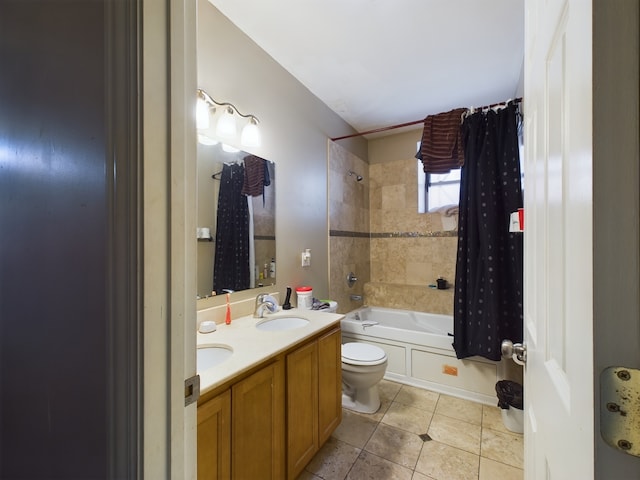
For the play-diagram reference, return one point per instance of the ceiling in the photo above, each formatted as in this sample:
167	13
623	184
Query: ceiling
378	63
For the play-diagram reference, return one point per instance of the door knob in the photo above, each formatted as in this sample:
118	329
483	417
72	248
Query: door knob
516	351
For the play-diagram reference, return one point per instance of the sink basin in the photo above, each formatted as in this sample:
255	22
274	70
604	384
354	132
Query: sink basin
211	355
280	324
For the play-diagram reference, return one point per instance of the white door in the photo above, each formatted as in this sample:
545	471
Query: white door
558	317
169	177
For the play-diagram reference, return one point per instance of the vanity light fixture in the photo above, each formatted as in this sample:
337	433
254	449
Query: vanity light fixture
202	114
250	134
226	124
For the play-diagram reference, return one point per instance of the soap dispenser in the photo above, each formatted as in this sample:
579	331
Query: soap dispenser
272	268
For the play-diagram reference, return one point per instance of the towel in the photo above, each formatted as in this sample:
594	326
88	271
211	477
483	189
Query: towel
254	168
441	149
448	216
446	210
319	304
449	223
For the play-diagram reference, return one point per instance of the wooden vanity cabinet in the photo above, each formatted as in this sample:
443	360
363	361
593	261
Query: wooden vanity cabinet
329	384
314	406
269	424
302	407
241	431
214	438
258	425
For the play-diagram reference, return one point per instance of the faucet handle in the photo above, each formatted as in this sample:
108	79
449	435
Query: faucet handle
265	301
271	300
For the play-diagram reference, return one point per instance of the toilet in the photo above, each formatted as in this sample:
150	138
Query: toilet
363	366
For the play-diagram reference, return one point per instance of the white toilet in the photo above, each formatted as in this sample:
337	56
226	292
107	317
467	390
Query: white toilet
363	366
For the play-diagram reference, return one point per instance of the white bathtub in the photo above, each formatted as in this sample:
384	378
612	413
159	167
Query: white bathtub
419	348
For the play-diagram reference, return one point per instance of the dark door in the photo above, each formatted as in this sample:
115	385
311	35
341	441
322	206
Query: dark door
65	229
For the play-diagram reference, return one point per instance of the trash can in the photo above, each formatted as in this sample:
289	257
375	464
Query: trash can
510	400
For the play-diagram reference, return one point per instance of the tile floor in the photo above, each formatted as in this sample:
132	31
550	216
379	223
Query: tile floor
467	441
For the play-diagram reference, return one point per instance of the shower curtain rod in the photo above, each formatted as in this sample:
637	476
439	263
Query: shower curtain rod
407	124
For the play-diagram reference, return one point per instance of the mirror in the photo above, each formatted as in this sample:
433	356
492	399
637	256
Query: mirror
232	256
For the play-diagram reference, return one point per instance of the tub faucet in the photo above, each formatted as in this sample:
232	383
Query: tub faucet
261	305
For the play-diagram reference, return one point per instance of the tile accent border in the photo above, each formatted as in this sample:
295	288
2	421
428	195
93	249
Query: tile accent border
343	233
450	233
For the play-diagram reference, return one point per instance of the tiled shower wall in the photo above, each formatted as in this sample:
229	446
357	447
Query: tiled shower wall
349	244
409	250
376	232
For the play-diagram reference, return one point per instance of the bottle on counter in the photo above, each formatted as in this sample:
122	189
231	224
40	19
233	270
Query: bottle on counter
272	268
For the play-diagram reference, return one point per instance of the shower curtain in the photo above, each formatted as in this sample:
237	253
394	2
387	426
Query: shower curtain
488	289
231	264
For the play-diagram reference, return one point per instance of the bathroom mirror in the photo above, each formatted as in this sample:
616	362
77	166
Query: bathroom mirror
242	254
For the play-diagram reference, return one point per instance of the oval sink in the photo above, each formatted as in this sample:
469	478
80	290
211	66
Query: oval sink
279	324
208	356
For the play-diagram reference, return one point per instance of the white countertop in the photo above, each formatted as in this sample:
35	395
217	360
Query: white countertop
252	346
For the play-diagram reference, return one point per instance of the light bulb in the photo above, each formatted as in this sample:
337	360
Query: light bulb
202	114
226	126
250	134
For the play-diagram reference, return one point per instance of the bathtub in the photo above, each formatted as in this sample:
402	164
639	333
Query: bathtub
420	352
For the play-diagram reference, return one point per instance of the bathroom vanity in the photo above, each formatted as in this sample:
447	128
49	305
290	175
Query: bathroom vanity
265	411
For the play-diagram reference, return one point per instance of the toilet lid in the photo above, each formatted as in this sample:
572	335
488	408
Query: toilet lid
362	353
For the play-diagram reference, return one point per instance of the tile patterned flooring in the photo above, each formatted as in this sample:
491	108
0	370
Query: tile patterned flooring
467	441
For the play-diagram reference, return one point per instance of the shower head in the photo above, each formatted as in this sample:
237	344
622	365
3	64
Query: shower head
358	177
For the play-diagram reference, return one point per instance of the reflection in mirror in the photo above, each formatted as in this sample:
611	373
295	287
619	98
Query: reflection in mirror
236	202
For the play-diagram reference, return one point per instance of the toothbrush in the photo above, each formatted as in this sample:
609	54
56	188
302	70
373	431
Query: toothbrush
227	319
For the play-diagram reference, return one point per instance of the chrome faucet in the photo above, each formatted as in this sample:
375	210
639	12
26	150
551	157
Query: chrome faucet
262	304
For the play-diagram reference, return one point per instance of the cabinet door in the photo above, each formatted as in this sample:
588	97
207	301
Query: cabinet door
214	438
258	425
302	408
329	384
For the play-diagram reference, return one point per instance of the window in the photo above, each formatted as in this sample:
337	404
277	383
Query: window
436	190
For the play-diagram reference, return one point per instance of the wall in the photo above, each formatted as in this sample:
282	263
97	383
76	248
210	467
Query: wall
349	242
295	126
409	250
377	232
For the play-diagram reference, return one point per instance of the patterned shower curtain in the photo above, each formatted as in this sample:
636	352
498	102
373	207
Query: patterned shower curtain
489	279
231	264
